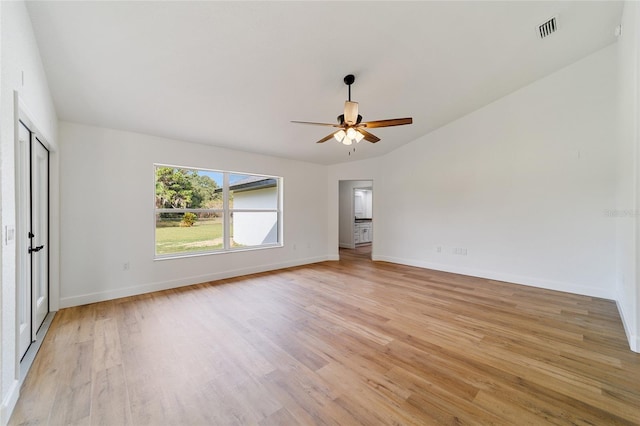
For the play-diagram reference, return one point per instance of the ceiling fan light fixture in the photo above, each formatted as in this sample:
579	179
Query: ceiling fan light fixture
359	137
339	135
351	133
347	141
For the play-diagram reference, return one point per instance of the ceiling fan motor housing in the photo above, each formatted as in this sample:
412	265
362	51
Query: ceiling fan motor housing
341	119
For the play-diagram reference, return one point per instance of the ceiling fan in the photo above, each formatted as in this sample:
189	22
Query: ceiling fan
352	129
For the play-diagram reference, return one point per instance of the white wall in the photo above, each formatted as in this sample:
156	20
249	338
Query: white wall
626	210
22	72
107	192
522	184
346	213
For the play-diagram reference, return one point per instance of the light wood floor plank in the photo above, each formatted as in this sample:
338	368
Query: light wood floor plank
337	343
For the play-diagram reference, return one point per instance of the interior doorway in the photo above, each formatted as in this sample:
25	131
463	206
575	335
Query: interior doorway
32	234
355	221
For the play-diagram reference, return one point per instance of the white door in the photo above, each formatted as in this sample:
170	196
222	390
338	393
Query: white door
23	227
39	249
32	258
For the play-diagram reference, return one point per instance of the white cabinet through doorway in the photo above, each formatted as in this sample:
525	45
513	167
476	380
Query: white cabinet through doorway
363	232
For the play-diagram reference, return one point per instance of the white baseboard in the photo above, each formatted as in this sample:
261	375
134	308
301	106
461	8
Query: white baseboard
9	403
498	276
633	339
84	299
347	245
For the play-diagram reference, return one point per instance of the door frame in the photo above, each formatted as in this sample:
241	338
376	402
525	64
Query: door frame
350	213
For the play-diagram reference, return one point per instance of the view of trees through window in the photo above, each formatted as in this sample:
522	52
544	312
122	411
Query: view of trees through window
190	210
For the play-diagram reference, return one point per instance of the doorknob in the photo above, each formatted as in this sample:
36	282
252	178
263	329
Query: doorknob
31	250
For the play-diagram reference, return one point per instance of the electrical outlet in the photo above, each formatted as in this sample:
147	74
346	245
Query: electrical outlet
459	251
125	266
439	249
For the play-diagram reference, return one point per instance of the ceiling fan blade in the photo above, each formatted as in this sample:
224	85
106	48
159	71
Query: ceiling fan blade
368	136
387	123
326	138
317	124
350	112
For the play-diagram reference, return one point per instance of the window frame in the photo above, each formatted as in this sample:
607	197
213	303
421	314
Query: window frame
226	213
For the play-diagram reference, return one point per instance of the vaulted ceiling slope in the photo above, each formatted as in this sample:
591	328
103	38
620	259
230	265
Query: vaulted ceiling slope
233	74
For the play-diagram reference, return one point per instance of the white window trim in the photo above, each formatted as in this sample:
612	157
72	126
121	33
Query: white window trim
226	213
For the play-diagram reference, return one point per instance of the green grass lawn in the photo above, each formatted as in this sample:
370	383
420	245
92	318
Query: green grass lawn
204	235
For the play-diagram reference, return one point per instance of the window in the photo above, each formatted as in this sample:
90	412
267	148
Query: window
206	211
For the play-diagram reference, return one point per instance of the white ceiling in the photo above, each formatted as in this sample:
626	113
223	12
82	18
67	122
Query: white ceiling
233	74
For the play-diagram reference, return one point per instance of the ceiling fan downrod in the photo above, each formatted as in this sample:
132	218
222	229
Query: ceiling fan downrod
348	80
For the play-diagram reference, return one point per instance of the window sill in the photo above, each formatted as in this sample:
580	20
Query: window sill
218	252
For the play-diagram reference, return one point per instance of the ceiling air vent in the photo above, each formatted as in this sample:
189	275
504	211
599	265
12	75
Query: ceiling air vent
548	28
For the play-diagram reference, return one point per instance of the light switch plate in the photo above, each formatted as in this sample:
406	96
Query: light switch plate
9	234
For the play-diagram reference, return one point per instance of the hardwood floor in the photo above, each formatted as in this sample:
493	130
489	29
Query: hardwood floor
337	343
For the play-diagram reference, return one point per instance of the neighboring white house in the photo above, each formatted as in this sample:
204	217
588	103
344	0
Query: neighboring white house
255	211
